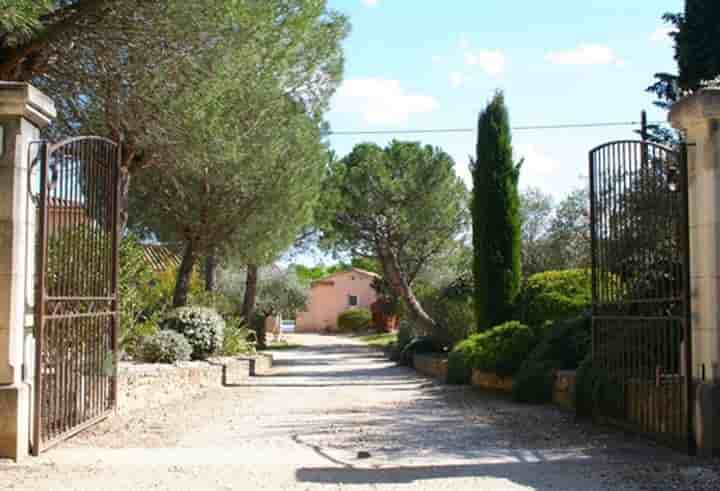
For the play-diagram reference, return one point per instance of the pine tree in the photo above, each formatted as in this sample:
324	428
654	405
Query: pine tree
496	217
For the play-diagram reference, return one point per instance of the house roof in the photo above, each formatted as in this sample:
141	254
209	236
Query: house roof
160	257
327	280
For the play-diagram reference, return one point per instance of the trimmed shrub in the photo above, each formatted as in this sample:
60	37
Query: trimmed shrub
165	347
459	369
132	337
422	344
502	349
563	347
596	393
405	334
354	320
202	327
555	295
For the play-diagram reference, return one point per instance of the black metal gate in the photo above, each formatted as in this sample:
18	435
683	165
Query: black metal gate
77	289
640	277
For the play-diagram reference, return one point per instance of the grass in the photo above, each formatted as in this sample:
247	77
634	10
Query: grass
380	340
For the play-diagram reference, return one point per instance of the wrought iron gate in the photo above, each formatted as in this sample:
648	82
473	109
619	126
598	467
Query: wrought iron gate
77	289
640	279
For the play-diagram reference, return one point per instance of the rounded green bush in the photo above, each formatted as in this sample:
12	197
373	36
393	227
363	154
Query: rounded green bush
502	349
563	347
202	327
165	346
459	369
555	295
354	320
421	344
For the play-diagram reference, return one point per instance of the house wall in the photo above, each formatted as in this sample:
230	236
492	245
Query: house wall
330	297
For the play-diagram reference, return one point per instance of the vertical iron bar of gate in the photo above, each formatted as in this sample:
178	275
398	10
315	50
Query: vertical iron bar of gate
686	297
593	260
40	298
115	270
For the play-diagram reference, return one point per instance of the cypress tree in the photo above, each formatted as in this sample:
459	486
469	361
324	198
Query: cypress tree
697	42
496	217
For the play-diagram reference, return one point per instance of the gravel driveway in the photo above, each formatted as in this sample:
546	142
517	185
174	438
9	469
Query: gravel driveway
305	426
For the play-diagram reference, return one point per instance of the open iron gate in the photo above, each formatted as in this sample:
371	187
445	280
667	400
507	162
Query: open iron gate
77	289
641	296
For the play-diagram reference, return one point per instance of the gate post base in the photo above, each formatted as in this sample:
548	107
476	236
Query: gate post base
14	421
707	419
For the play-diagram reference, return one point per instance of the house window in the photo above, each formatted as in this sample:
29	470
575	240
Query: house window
352	300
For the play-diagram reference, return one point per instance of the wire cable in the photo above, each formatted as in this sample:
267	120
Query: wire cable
472	130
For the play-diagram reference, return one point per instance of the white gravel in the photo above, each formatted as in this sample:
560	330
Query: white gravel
303	426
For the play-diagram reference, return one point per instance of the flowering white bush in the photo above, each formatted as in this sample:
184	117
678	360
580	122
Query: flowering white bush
202	327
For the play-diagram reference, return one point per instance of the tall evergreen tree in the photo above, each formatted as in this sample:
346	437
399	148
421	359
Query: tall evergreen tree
496	217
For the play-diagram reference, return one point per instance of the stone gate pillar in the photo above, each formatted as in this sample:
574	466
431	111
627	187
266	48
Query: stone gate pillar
23	112
698	117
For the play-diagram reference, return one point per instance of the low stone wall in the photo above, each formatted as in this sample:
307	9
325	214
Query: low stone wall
564	389
155	385
431	365
491	381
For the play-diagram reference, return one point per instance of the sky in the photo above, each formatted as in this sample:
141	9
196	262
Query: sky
429	64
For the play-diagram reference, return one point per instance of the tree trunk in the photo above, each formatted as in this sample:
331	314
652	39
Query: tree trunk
124	199
251	282
211	267
182	286
400	287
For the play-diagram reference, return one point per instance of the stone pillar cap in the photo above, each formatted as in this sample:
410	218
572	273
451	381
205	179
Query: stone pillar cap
22	99
701	106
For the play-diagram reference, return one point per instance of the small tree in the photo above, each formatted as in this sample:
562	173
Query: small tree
403	204
496	217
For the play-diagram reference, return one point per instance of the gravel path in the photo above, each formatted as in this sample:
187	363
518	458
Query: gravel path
305	426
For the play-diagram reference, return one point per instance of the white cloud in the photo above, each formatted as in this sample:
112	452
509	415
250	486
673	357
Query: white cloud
536	163
457	79
662	35
437	59
381	101
492	61
371	3
585	54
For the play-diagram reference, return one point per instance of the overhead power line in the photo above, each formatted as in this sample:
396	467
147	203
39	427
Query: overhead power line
472	130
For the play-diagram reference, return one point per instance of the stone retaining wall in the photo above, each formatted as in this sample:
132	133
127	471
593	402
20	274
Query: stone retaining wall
155	385
491	381
564	390
431	365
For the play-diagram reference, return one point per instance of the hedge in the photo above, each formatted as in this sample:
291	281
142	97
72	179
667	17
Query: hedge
502	349
563	347
554	296
354	320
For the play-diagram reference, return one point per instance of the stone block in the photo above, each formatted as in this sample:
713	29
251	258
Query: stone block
564	389
14	422
432	365
491	381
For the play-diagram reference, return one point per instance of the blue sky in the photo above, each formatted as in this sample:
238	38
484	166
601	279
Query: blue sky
429	64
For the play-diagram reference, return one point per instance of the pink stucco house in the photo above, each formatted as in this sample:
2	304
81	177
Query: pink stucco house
334	294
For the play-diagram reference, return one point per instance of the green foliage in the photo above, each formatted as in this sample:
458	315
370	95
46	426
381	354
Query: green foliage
354	320
555	295
496	217
406	333
502	349
596	393
459	369
563	347
697	42
421	344
135	277
201	326
22	16
132	339
407	188
380	340
283	295
165	346
237	338
453	310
